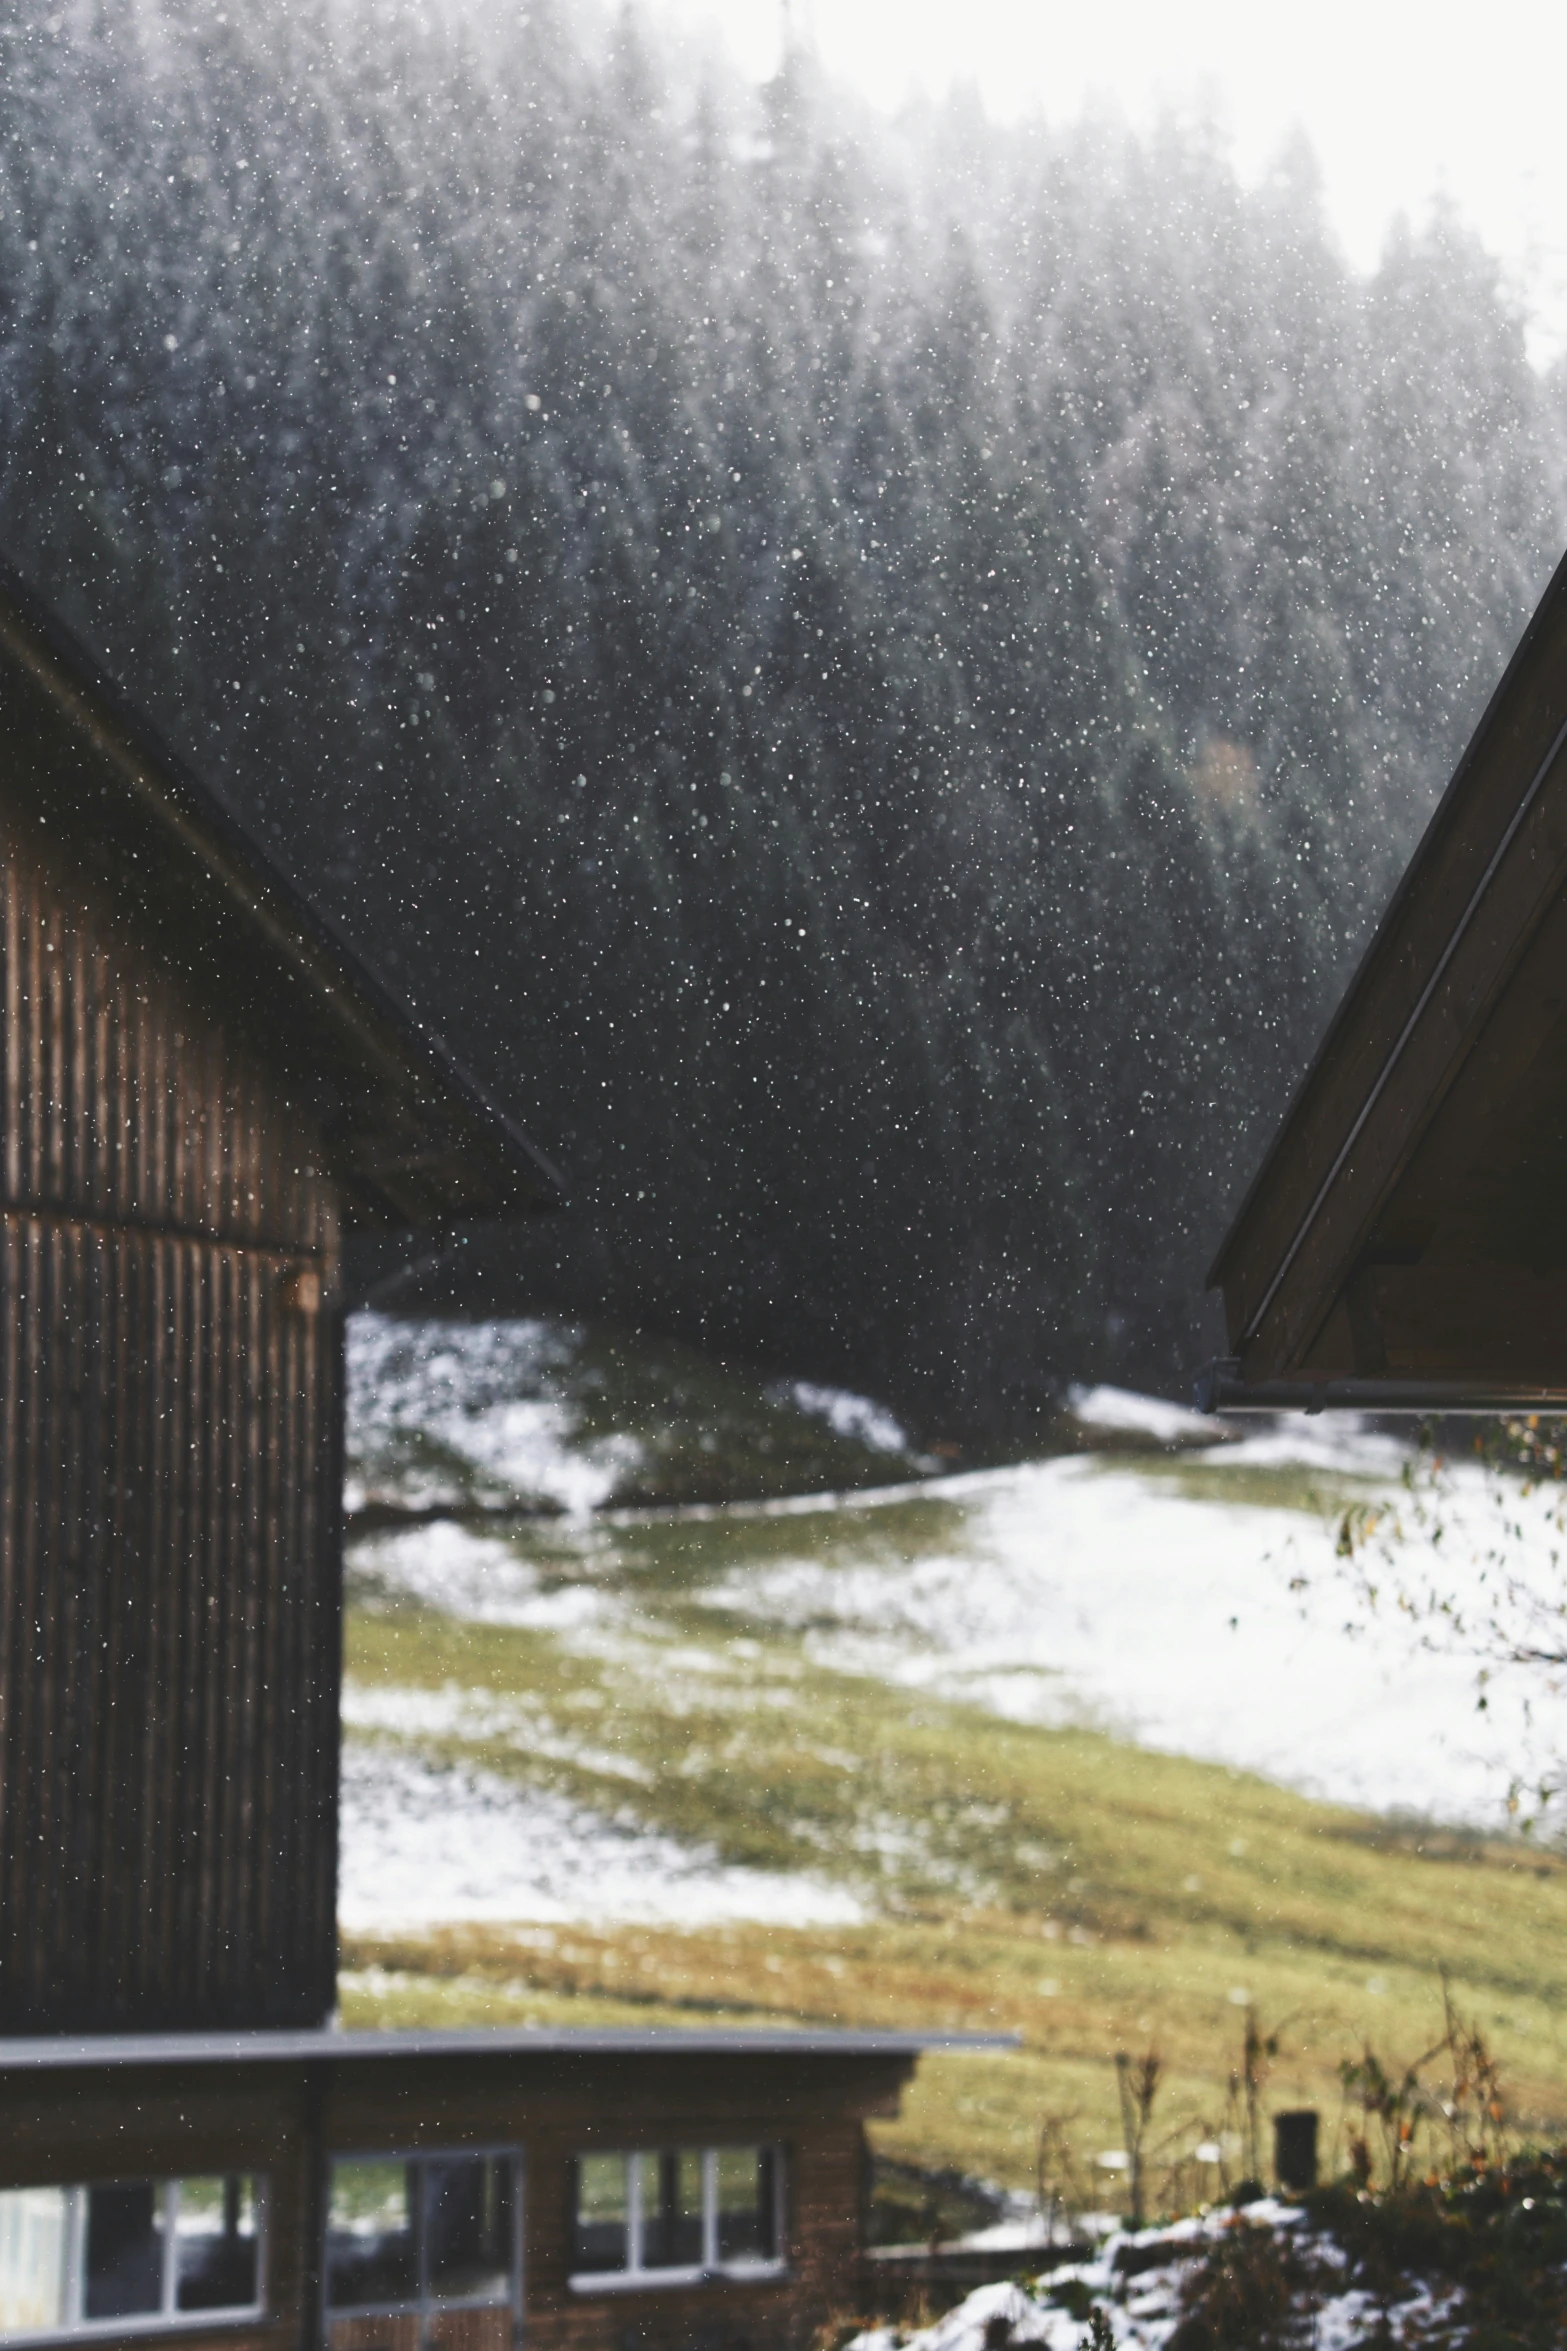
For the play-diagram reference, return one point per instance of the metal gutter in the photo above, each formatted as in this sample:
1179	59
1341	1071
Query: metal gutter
1220	1388
48	2052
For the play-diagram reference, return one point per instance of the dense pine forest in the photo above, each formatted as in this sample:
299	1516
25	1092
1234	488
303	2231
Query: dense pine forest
870	677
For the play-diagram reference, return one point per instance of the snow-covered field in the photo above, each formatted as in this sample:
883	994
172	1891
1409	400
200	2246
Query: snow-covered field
1191	1603
1080	1592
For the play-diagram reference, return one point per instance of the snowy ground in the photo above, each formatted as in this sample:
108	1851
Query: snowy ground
1080	1592
553	1415
423	1843
444	1412
1189	1602
1143	2308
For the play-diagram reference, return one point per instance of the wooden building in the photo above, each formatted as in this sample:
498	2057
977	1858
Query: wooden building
662	2190
200	1090
1404	1245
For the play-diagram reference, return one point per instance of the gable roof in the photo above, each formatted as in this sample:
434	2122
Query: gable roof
1405	1238
409	1135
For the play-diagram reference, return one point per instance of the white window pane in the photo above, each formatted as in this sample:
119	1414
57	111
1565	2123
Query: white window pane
34	2250
217	2243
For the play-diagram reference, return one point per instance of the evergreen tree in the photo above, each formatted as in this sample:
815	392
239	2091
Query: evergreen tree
871	677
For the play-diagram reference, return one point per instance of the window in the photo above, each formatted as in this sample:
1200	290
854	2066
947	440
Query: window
412	2237
129	2253
677	2213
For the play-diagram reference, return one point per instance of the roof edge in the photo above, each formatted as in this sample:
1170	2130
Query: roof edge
295	926
1545	611
328	2044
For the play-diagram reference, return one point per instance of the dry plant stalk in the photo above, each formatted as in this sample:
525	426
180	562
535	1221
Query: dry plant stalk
1137	2080
1058	2184
1395	2111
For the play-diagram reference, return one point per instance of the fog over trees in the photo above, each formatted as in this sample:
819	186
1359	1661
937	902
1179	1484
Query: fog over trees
871	678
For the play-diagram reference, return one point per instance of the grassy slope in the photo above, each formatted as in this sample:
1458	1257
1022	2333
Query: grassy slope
1087	1895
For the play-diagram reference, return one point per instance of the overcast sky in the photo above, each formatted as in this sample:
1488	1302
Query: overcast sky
1398	100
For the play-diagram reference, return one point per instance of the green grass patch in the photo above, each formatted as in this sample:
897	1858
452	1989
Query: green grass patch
1072	2004
1285	1485
1087	1895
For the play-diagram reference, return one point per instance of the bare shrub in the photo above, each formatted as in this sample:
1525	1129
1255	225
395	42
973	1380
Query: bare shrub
1253	2292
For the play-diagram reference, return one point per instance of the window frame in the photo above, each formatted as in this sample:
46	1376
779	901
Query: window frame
637	2279
425	2305
167	2319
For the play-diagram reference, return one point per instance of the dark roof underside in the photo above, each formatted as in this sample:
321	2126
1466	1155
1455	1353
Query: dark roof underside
409	1135
1408	1222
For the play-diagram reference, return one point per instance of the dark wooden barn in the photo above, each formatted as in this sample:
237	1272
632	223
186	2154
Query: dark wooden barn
1404	1245
201	1090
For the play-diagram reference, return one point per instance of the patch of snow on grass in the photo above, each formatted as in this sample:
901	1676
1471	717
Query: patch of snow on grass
1341	1443
423	1845
478	1718
476	1389
1078	1594
525	1444
1129	1414
478	1577
846	1414
1143	2307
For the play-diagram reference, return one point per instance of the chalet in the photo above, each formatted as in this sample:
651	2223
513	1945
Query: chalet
1403	1246
201	1089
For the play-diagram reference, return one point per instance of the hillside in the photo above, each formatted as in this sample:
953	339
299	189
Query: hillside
870	676
852	1758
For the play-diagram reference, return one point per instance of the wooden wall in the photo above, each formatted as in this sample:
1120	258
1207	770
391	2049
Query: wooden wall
562	2106
70	2129
169	1491
823	2159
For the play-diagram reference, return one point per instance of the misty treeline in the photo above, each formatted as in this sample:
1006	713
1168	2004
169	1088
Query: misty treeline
870	677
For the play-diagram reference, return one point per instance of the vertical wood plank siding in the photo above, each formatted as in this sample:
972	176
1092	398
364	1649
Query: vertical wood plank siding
169	1404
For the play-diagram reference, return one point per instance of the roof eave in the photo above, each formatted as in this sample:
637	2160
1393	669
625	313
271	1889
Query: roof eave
330	2045
379	1026
1548	613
